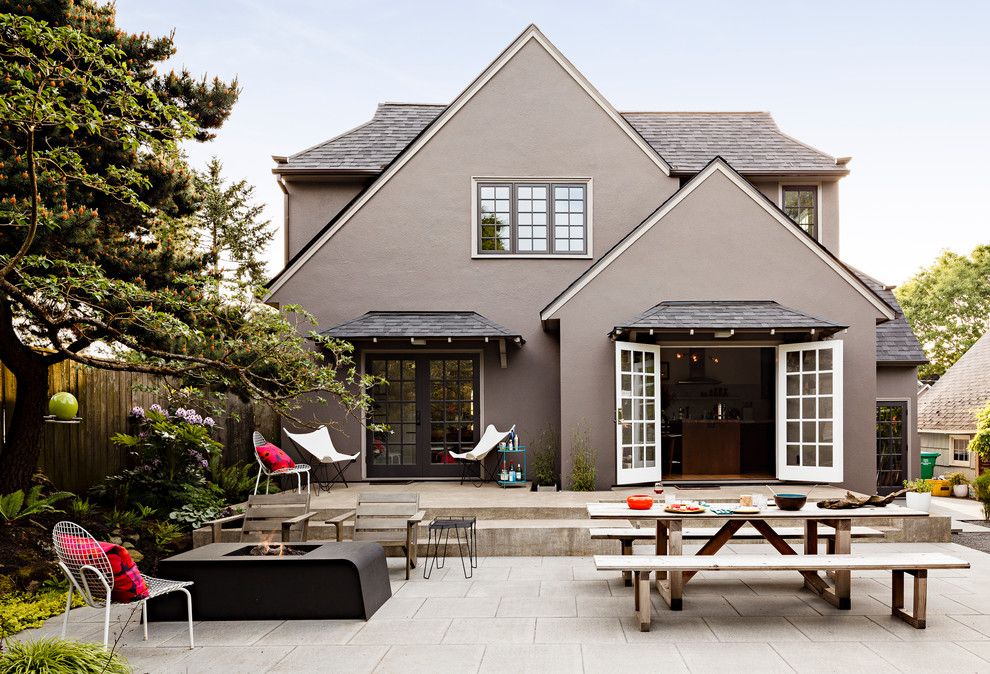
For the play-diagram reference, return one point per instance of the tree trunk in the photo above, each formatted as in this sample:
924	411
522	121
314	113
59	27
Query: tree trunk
25	433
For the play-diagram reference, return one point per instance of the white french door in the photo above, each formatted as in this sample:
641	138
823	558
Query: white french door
809	411
637	412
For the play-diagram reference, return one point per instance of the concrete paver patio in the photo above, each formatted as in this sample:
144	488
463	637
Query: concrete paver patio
559	614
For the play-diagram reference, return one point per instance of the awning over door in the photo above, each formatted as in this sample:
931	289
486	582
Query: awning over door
724	318
422	328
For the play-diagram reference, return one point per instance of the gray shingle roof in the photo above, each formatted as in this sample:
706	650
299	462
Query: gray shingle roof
741	315
949	405
749	141
401	324
896	341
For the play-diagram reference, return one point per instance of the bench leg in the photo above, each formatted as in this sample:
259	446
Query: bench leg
643	599
843	579
916	618
672	589
627	549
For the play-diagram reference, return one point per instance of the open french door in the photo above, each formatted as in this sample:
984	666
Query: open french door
637	412
809	411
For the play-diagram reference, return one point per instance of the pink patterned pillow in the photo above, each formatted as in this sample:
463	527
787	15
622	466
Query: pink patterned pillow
128	583
274	458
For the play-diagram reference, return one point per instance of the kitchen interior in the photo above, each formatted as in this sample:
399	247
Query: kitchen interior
717	412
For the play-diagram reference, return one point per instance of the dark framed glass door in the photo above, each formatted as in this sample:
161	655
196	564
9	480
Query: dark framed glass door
430	403
892	445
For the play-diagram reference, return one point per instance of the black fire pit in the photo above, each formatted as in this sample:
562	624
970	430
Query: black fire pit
294	581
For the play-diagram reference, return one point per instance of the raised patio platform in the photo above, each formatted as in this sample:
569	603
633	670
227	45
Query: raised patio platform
519	522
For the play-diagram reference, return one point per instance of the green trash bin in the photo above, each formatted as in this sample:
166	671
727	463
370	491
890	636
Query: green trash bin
928	464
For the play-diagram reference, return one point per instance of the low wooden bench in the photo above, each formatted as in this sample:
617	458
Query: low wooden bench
898	563
628	535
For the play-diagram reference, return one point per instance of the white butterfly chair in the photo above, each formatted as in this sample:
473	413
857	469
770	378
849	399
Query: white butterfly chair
320	445
88	570
296	470
489	441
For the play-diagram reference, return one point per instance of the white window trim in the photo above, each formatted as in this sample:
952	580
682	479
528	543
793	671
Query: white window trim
819	220
952	452
588	207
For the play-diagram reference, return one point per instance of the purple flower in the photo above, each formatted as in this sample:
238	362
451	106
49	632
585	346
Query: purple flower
181	412
137	411
209	422
155	407
204	463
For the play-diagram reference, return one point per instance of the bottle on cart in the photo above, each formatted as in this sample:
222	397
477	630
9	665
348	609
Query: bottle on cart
512	474
504	476
518	473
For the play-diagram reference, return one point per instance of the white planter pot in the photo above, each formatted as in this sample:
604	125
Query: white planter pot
960	490
916	501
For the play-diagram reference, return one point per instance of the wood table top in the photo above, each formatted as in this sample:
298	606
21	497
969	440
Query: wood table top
810	511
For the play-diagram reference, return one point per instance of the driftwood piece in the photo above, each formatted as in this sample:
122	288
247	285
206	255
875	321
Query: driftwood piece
850	501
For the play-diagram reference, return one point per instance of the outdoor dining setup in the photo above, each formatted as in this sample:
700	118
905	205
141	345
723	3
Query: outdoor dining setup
777	519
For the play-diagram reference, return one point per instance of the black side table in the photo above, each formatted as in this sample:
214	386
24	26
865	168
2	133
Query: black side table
441	527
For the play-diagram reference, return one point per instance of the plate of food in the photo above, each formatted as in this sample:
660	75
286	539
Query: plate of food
685	508
746	510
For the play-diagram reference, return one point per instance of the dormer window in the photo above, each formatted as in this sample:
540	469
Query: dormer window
524	218
800	202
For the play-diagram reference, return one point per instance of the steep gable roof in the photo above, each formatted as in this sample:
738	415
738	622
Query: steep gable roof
718	164
896	342
952	401
750	141
531	34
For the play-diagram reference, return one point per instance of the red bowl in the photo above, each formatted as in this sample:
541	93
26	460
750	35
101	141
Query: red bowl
639	502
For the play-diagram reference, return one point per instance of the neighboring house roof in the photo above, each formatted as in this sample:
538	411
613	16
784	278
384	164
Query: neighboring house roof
412	324
952	401
718	164
731	314
896	341
750	141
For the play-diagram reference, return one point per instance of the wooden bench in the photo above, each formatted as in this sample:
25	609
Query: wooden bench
628	535
389	519
898	563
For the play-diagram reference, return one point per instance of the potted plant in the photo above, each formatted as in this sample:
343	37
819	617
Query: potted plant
960	484
919	496
545	476
981	488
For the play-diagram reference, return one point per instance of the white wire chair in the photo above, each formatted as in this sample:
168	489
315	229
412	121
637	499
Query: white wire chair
296	470
89	572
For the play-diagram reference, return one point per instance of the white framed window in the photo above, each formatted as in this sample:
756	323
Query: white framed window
959	445
531	217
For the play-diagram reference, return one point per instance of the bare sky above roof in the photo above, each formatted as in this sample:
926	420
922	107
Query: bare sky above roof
903	87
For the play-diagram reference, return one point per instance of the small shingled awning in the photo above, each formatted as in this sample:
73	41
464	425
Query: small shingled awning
723	316
420	327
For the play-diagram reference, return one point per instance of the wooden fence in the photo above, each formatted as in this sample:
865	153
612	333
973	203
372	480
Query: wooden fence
78	456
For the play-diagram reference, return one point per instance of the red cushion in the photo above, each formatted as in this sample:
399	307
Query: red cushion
274	458
128	583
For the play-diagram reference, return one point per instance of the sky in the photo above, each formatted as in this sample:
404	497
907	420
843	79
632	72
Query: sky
902	87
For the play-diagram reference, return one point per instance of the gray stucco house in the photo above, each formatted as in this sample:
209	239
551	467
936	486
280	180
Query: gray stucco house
668	281
946	411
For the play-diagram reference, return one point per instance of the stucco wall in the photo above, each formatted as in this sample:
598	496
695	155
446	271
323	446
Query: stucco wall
311	205
901	383
828	211
716	244
410	246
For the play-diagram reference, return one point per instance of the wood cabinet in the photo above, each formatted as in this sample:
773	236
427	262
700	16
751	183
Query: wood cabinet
711	447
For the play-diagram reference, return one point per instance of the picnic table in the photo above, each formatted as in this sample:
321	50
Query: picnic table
669	540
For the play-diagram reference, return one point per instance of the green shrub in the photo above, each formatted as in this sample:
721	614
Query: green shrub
19	505
583	470
980	443
200	504
546	450
59	656
956	479
23	611
236	481
921	485
981	485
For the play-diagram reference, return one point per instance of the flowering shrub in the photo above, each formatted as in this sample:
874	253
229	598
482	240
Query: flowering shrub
171	452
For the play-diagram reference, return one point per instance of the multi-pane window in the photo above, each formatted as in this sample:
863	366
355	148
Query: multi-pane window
532	218
801	204
960	449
